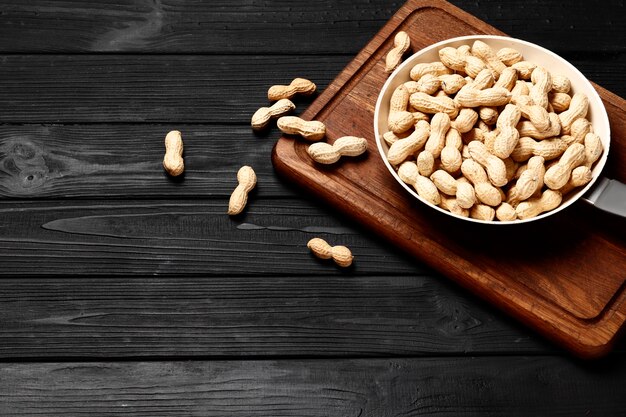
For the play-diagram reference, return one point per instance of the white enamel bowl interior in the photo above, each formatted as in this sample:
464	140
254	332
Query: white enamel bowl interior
531	52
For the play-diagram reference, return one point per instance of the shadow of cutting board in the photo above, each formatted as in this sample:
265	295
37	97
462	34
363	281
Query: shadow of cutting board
563	276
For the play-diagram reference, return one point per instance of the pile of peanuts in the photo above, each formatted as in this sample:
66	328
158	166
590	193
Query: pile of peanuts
485	134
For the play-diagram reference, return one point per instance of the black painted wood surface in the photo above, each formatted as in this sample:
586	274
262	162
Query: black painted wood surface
122	291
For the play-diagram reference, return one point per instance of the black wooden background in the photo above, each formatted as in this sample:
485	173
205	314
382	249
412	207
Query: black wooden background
125	292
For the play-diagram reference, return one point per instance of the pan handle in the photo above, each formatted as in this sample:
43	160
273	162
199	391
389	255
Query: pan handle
608	195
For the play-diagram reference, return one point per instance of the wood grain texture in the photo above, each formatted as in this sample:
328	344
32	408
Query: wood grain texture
233	316
222	89
323	27
566	282
511	386
226	89
104	161
146	237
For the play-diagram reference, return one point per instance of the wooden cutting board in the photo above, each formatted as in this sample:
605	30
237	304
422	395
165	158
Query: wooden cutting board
563	276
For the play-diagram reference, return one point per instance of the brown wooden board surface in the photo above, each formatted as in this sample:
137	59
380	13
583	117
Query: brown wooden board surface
564	275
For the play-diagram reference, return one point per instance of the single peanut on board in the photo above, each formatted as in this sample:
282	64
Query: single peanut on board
340	254
325	153
401	43
293	125
297	86
239	198
173	159
262	117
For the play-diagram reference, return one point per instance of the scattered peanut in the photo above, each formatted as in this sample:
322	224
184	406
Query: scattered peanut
239	198
325	153
297	86
340	254
173	159
293	125
262	117
401	44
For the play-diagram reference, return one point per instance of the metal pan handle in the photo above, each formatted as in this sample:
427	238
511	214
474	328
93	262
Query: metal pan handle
608	195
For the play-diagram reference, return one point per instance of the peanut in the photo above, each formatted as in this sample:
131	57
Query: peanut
452	205
428	104
558	174
310	130
484	52
403	148
434	68
542	84
465	194
509	56
524	69
489	115
473	64
579	129
593	148
561	84
559	101
506	213
547	148
401	43
465	120
507	79
425	188
297	86
439	126
507	136
494	96
527	128
482	212
485	191
529	182
451	83
325	153
452	59
578	108
451	157
399	120
173	159
537	115
390	138
520	89
484	79
262	117
340	254
428	84
239	198
533	207
425	163
581	175
444	182
496	169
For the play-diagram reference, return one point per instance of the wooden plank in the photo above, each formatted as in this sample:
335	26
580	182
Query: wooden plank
567	284
97	161
179	88
322	27
505	386
233	316
177	237
223	89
